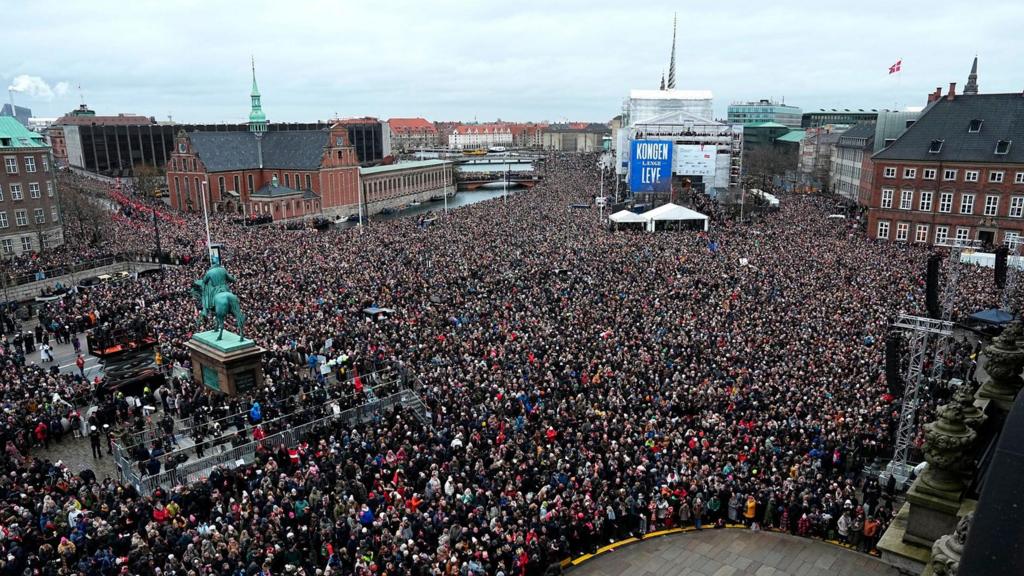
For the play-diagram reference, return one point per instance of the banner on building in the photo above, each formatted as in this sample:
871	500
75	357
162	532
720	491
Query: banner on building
650	166
695	160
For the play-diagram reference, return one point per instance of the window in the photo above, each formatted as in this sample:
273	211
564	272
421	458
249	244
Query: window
1003	147
54	216
995	176
3	220
921	233
883	229
49	189
910	172
975	126
963	234
941	234
906	199
181	147
21	217
33	190
887	198
26	243
925	202
220	185
935	147
8	246
970	175
902	230
249	178
237	183
946	202
12	164
929	174
1	193
967	204
1016	206
46	164
30	164
1019	179
949	175
298	181
287	181
309	181
888	142
991	205
16	192
40	216
890	172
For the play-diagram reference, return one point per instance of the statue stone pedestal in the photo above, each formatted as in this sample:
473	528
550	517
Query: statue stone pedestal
933	513
230	365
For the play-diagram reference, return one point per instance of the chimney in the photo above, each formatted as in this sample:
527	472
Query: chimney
952	92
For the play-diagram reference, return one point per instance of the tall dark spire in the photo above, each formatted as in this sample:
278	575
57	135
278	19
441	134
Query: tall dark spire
972	79
662	80
672	60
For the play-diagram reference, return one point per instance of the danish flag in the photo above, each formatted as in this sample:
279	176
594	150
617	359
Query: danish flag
896	67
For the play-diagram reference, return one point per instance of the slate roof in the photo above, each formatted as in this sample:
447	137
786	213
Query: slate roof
861	131
284	150
1002	117
271	191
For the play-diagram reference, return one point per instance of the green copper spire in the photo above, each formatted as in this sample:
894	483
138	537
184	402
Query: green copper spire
257	119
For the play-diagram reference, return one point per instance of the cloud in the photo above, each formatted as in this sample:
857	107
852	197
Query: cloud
37	87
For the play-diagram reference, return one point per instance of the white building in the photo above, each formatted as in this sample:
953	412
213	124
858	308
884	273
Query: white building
477	136
644	105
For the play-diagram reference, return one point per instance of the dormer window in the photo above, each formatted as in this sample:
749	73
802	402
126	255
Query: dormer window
975	126
1003	147
181	147
935	147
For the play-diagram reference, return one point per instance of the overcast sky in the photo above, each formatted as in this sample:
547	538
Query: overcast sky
520	60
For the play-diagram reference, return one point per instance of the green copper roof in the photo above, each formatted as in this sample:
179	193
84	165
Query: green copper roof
14	135
792	136
257	119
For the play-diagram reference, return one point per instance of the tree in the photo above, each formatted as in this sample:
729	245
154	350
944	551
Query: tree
149	180
765	162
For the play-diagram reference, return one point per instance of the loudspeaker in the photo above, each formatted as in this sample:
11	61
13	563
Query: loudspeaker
1001	255
892	364
932	287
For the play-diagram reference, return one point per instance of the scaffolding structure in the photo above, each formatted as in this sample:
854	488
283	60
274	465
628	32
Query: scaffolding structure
918	332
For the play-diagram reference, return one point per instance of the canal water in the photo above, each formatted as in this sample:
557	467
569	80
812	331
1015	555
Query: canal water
463	198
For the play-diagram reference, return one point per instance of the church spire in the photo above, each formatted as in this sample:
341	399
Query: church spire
672	60
257	119
662	81
972	79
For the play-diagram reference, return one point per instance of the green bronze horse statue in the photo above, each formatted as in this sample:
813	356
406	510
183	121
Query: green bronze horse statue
212	295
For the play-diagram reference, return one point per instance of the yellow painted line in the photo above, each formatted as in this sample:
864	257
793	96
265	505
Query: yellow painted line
662	533
582	559
615	545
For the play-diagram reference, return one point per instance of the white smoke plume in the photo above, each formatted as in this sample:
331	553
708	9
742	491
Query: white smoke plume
37	87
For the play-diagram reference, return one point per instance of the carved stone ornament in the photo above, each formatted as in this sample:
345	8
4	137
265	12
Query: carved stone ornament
947	550
1003	363
964	395
946	442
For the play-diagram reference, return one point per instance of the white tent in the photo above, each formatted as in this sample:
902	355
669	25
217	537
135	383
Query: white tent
771	199
673	213
626	217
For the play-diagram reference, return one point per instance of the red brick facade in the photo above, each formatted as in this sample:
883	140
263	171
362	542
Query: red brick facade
335	183
930	201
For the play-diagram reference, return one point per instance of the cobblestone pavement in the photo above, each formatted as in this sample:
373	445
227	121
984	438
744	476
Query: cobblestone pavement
77	456
732	553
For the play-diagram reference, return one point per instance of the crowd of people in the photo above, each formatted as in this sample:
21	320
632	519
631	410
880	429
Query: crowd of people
581	386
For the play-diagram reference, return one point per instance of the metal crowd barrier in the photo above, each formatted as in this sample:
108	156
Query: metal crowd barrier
198	470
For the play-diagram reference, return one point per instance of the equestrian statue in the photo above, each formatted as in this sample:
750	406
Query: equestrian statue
211	293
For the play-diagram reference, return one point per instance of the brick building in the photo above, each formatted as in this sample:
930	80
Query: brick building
412	133
957	173
283	174
30	218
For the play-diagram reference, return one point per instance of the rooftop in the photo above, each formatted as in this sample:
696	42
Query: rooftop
969	128
766	125
792	136
14	135
401	125
286	150
402	166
